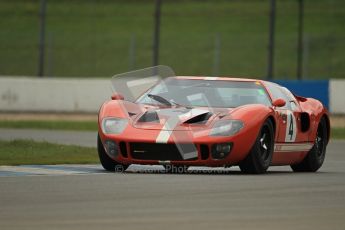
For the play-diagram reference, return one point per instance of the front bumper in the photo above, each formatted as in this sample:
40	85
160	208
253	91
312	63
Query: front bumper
138	146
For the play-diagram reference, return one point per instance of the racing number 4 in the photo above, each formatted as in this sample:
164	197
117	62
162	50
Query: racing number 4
290	133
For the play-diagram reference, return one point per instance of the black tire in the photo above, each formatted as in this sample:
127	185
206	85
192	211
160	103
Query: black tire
175	168
108	163
316	156
260	156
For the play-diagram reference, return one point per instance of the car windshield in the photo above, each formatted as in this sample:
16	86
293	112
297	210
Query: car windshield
205	93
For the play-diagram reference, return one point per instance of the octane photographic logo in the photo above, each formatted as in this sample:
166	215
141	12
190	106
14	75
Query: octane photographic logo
119	169
172	169
147	87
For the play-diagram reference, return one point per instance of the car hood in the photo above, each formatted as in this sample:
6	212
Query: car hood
179	118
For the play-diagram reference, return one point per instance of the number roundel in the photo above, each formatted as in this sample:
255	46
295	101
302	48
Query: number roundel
291	127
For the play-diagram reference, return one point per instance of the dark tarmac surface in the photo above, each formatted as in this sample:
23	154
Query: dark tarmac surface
86	197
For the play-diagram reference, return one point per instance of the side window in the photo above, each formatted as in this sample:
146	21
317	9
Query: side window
291	98
277	92
240	96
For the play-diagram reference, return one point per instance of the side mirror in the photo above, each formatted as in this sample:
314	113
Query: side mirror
279	102
117	96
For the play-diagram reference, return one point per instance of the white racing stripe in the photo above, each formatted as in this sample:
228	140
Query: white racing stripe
173	120
166	131
190	155
171	123
296	147
163	136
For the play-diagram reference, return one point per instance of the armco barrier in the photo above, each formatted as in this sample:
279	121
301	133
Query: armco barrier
23	94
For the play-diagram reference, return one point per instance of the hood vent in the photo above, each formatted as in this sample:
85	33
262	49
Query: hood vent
200	119
131	114
149	116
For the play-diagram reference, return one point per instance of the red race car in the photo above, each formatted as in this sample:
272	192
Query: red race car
214	121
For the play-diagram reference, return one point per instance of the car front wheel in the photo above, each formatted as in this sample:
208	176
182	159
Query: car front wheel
260	156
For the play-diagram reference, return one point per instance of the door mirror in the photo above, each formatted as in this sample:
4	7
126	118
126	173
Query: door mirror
117	96
279	102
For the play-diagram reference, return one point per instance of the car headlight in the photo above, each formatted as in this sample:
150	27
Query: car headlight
113	125
226	128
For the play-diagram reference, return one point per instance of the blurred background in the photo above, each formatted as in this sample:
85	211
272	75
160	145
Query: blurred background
298	43
85	38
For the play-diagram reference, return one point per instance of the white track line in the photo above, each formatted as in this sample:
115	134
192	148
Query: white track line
38	171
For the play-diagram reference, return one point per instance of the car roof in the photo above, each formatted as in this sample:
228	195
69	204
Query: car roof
218	78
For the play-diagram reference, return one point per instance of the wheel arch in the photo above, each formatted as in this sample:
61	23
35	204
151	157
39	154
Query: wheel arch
273	121
253	116
328	125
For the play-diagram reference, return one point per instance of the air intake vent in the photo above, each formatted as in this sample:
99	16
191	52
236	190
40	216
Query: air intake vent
149	116
200	119
123	149
204	152
131	114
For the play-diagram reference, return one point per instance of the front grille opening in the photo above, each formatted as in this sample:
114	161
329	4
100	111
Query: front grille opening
205	153
123	149
159	151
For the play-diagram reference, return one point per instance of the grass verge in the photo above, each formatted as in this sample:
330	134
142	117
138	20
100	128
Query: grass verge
24	152
50	125
338	133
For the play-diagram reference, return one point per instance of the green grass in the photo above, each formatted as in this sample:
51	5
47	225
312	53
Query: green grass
50	125
92	38
20	152
338	133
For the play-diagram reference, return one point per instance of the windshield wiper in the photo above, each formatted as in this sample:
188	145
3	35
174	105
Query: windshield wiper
160	99
164	101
